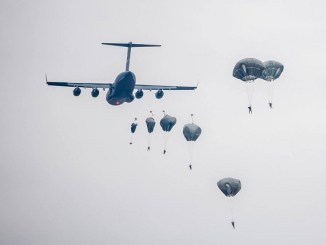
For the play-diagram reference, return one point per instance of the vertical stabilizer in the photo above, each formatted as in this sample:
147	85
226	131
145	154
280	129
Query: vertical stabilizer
129	46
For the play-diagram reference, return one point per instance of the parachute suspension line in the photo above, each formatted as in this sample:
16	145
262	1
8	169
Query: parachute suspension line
270	92
166	139
190	147
151	112
192	118
250	90
149	142
131	139
164	113
231	207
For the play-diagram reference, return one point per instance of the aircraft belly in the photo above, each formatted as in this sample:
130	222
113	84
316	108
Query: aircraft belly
122	91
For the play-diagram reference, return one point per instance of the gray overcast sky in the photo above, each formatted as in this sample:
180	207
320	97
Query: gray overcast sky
67	173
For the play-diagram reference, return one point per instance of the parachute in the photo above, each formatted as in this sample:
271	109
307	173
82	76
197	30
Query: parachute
230	187
248	70
273	70
167	123
191	132
133	128
150	123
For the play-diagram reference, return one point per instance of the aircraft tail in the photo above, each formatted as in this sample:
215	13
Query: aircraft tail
129	46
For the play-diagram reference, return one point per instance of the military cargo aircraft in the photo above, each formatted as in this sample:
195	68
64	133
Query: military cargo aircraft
121	90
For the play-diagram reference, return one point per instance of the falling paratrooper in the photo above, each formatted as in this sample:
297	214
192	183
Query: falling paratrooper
167	123
230	187
150	123
273	70
133	128
248	70
191	132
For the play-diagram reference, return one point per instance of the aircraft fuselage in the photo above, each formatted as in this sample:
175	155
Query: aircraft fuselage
122	89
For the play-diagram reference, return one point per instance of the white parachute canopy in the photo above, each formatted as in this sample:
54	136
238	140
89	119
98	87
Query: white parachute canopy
167	123
191	132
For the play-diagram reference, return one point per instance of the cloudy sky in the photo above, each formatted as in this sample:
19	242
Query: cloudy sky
67	172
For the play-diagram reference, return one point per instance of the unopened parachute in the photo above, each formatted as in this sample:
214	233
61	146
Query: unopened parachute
191	132
150	123
230	187
167	123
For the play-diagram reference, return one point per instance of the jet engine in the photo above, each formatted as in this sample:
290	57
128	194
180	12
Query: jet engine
77	91
159	94
95	92
139	94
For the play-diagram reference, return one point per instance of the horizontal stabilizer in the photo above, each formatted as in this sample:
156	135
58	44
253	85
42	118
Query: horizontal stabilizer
132	45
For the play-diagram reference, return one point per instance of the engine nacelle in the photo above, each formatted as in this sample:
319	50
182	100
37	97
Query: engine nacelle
77	91
95	92
139	94
159	94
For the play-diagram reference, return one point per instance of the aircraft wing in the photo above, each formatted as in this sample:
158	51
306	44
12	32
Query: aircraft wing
162	87
79	85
